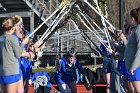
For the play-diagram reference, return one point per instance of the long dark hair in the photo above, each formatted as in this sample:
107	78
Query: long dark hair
134	14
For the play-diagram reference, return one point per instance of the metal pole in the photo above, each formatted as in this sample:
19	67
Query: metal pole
121	14
99	14
52	23
53	27
32	22
61	38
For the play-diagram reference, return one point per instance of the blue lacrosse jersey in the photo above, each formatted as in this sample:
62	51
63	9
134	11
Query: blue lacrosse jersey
102	47
65	72
26	68
107	59
122	68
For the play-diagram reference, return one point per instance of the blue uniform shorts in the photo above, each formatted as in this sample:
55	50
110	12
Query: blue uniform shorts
107	64
107	70
122	68
136	76
10	79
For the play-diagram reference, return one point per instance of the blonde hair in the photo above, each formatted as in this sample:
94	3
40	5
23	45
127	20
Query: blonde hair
7	24
17	19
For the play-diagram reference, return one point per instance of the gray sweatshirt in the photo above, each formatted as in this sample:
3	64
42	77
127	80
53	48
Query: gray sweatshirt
10	51
132	50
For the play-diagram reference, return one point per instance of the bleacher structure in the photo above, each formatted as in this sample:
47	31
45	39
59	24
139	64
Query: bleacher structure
65	37
62	39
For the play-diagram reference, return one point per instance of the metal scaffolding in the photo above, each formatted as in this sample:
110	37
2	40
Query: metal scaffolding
67	36
64	38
